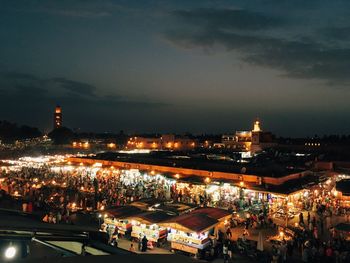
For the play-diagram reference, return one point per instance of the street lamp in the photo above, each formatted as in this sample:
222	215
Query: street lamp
99	220
10	252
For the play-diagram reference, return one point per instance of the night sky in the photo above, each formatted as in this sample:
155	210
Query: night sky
177	66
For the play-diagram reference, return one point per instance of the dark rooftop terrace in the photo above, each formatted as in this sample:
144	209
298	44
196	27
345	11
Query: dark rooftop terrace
259	167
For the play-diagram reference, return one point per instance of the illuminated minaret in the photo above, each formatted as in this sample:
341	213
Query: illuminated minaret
57	119
256	126
256	132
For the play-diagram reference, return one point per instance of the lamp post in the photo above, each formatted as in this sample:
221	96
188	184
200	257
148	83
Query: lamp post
99	220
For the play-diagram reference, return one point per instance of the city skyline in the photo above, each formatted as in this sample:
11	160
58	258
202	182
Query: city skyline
177	66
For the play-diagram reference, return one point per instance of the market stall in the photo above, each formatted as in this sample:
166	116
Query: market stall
147	224
152	204
118	217
219	214
191	232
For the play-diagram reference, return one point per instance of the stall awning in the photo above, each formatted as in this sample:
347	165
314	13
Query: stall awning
152	217
123	212
191	222
216	213
144	204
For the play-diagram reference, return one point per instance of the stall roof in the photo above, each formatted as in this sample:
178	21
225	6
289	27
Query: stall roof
146	203
166	159
215	213
151	217
191	222
177	208
154	204
122	212
289	187
343	186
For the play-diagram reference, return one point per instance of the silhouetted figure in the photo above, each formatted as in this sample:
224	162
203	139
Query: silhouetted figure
144	244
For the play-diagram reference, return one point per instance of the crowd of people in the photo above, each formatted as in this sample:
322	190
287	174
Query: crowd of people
57	192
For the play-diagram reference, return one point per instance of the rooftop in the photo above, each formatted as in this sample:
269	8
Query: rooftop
257	166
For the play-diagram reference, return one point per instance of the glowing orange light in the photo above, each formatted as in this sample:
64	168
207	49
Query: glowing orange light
256	126
111	145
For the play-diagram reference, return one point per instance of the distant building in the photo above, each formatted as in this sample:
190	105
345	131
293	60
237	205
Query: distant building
57	118
165	142
252	141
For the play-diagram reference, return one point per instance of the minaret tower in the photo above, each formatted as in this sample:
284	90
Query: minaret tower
256	132
57	118
257	126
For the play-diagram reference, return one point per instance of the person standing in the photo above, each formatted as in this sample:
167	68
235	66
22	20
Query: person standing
283	251
83	250
115	237
30	207
140	242
230	249
225	252
329	254
305	256
24	206
315	232
144	244
132	249
321	225
228	233
301	219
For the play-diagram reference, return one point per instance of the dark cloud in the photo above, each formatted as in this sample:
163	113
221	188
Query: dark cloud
18	84
336	33
226	19
297	57
28	97
77	13
18	75
75	87
71	8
